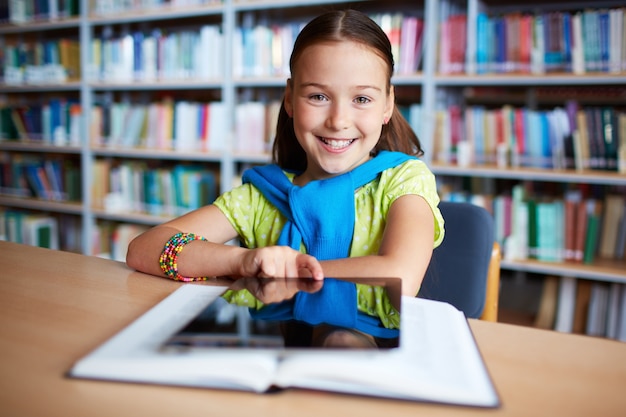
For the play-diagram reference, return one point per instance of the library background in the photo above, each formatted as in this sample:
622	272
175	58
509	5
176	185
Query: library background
116	115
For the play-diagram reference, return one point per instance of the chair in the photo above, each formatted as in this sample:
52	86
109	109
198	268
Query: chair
465	269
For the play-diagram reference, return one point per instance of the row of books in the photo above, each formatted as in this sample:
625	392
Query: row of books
264	50
61	231
258	50
23	11
54	179
38	62
158	55
185	126
110	239
576	227
133	186
168	125
55	121
569	137
29	229
592	308
591	40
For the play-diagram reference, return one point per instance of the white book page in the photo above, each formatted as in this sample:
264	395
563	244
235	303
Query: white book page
438	360
134	353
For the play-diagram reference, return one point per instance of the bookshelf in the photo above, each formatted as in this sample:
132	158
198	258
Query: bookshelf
440	80
504	83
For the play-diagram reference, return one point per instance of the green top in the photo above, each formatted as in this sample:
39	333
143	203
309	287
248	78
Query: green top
259	223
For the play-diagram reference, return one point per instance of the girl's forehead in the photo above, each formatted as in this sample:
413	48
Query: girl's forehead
333	53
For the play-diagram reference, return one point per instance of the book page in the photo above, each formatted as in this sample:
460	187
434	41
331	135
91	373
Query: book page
438	361
134	353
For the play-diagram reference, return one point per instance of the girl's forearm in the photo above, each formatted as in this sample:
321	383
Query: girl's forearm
199	258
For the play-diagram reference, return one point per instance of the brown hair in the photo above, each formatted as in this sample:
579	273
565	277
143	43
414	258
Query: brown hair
337	26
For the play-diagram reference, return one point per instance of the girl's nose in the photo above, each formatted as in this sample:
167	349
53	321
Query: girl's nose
338	118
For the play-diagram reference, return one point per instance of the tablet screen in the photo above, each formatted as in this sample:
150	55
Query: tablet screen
293	313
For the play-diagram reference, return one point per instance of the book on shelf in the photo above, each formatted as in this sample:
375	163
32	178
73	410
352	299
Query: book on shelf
132	186
411	45
45	178
539	42
568	137
620	243
611	219
452	44
23	11
580	231
166	125
31	229
581	306
546	311
613	310
435	358
594	221
598	309
577	226
263	50
250	127
620	331
158	55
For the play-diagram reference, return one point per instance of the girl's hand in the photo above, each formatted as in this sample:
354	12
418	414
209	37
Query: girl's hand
276	290
280	262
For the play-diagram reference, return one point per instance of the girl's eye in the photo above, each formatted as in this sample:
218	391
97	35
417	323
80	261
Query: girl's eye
362	100
317	97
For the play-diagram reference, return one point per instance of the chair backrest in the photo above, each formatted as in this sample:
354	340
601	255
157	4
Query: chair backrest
459	267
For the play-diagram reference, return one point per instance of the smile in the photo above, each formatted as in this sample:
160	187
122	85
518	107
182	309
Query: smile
337	144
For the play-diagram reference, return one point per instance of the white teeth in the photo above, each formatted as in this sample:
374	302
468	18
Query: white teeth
337	144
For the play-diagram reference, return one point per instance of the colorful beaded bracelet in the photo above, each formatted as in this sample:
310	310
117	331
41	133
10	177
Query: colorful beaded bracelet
168	261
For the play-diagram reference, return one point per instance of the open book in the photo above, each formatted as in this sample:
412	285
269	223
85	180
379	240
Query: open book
436	359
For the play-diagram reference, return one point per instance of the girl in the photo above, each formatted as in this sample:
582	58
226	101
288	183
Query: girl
346	195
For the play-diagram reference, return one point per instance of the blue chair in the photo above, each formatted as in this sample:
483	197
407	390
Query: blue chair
465	269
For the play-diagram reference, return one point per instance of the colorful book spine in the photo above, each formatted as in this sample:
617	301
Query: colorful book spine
557	41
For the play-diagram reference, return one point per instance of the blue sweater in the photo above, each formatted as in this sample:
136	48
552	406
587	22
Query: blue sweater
322	215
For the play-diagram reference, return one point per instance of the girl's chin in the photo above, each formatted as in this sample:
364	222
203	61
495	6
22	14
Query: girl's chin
333	170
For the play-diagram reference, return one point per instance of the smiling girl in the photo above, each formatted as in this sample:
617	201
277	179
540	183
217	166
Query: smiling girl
346	195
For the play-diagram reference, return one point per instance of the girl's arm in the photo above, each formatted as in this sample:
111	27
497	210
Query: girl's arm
405	251
213	257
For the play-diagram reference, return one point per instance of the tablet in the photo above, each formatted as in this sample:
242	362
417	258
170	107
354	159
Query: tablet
297	313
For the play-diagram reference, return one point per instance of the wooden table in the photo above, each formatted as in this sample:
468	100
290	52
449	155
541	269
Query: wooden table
57	306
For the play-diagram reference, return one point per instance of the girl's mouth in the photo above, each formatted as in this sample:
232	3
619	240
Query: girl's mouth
337	144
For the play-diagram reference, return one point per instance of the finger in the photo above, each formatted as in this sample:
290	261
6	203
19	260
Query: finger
311	264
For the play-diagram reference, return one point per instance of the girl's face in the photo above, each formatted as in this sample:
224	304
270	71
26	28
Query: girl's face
338	101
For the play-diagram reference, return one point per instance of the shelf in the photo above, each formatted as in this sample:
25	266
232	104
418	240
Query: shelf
38	26
138	153
41	205
37	88
138	218
155	13
158	85
600	270
249	5
37	147
562	79
532	174
254	158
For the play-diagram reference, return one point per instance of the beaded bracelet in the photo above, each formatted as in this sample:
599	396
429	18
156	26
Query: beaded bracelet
169	256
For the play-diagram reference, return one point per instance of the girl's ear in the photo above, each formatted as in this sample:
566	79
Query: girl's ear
389	107
288	98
